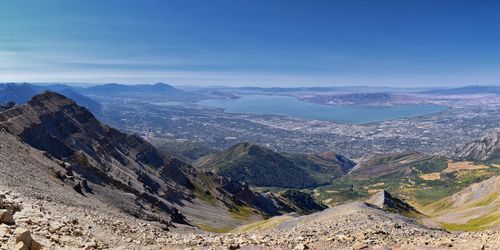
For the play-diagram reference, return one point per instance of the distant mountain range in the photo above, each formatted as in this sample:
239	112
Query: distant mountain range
21	93
114	89
365	99
278	90
477	89
473	89
17	93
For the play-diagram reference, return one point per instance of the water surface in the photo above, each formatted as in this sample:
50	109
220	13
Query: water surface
290	106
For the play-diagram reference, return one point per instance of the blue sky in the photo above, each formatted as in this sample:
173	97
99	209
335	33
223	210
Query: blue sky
259	43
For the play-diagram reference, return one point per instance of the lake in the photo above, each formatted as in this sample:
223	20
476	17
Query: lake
167	103
292	107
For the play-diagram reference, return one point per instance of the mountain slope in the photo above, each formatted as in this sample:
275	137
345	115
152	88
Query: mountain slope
100	154
322	167
484	149
476	207
125	170
256	165
260	166
82	100
184	150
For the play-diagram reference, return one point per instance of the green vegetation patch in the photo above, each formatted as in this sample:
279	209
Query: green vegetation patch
487	200
431	166
208	228
206	196
404	181
241	212
439	206
477	224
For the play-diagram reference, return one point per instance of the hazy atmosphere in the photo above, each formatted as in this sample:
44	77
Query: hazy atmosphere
252	43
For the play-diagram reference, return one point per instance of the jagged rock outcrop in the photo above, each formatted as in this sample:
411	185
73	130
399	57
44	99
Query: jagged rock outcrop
484	149
384	200
98	153
272	204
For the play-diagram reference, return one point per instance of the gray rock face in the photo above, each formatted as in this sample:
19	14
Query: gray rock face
486	148
384	200
99	154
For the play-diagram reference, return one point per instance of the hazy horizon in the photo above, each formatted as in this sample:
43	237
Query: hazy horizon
90	84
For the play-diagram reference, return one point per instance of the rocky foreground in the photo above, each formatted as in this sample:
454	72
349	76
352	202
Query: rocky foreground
28	223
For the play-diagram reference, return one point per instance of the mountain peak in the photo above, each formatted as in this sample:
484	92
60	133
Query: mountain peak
49	96
381	199
161	84
50	101
247	146
384	200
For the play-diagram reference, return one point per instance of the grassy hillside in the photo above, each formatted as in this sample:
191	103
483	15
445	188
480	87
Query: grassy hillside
417	178
323	168
260	166
185	150
476	207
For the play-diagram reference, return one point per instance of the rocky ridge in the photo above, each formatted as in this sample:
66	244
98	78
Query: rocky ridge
485	149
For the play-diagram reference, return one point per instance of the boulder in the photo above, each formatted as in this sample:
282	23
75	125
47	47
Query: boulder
24	240
23	235
301	247
7	217
20	246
